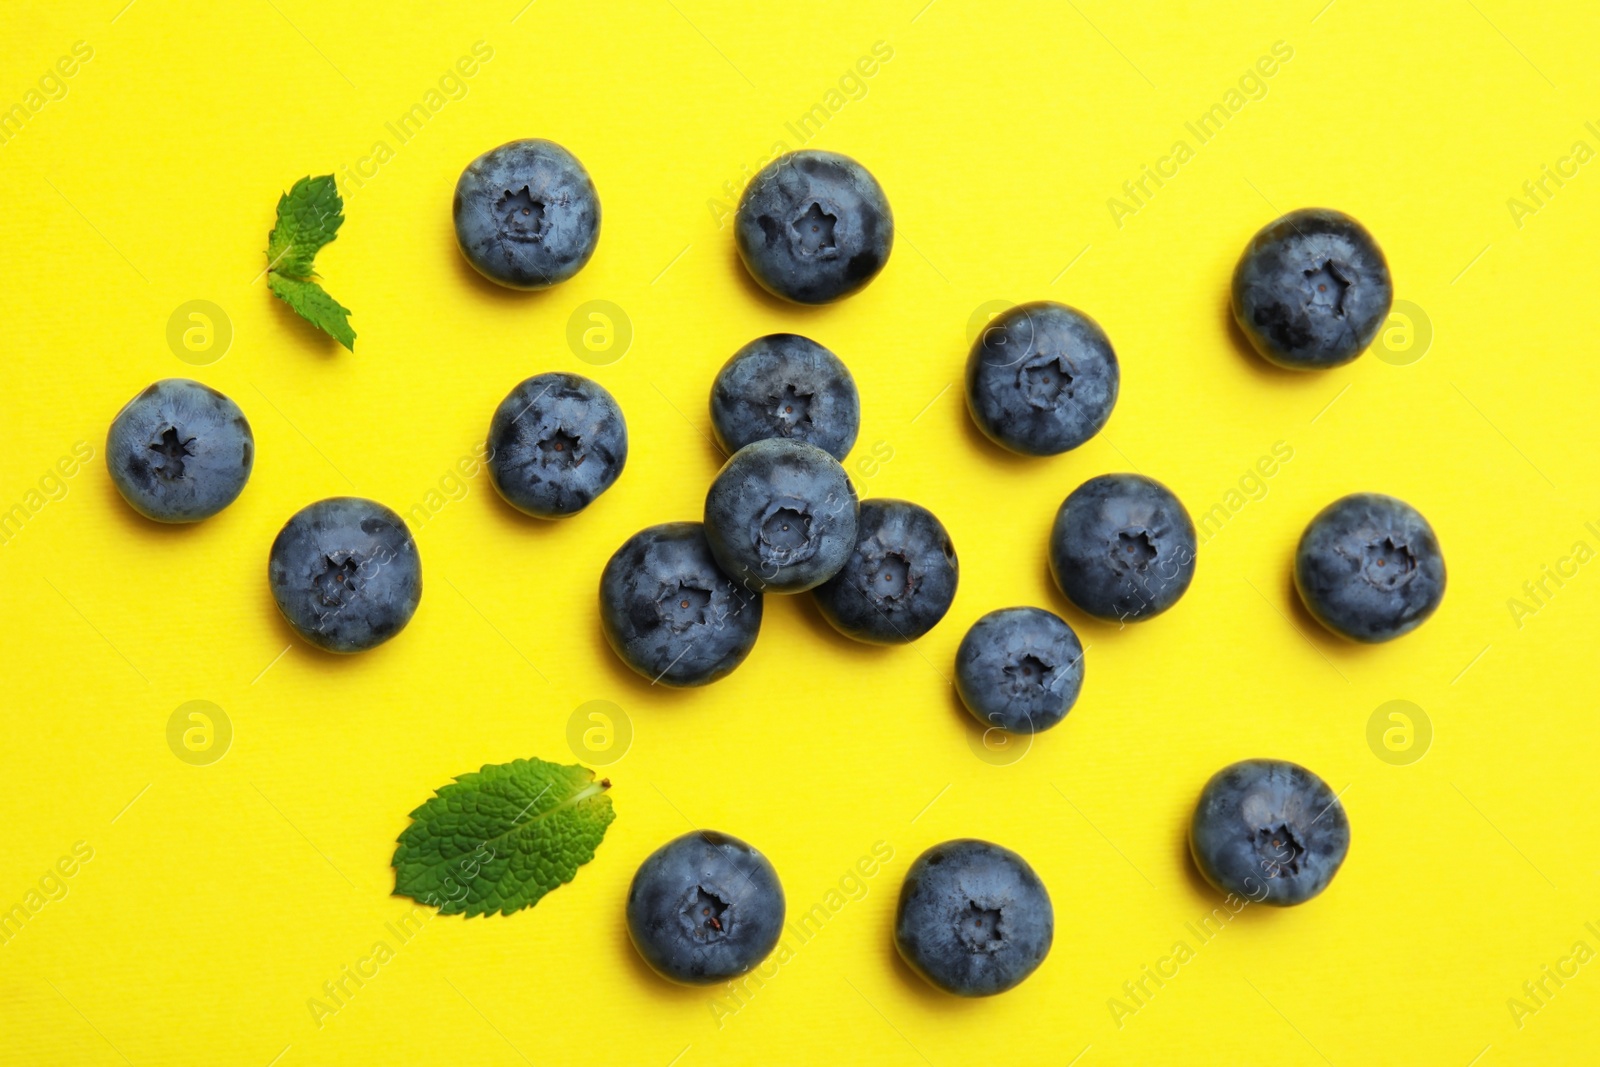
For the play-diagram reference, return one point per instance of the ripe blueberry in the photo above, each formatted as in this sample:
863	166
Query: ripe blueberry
785	385
1019	669
345	573
556	442
526	214
180	451
781	516
814	226
1269	830
1123	547
1369	567
670	613
1042	379
1312	289
973	918
705	907
900	577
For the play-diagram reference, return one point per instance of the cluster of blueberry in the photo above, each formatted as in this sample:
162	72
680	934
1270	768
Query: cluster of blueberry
680	602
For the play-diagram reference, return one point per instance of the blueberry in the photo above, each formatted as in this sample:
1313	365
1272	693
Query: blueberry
526	214
814	226
781	516
669	611
900	577
1042	379
180	451
345	573
785	385
973	918
705	907
1269	830
556	442
1369	567
1019	669
1122	547
1312	289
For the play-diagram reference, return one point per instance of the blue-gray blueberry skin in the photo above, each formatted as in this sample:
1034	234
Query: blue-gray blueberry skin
781	516
1123	547
814	226
704	908
526	214
556	442
974	919
1369	568
1019	669
785	385
1269	830
1042	379
670	613
345	573
900	578
1312	289
180	451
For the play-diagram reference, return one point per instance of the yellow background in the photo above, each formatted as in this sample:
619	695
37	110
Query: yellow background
221	898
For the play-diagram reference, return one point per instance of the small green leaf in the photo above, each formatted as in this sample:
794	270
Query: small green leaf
309	216
503	837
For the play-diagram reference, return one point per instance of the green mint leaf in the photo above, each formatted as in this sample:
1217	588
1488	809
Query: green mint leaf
315	306
309	216
503	837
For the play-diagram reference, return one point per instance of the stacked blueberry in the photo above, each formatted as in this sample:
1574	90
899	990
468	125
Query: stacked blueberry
681	602
782	515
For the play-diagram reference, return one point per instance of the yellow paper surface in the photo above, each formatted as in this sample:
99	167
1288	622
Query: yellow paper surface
1030	151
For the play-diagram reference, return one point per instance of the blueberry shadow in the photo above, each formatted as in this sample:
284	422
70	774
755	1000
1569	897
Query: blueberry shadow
507	515
320	658
147	530
974	730
1325	640
773	303
626	677
1091	629
663	989
1208	896
995	455
1203	891
285	633
307	335
493	292
930	997
718	453
805	605
1259	366
963	715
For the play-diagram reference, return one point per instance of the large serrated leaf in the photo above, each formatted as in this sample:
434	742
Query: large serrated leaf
501	838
